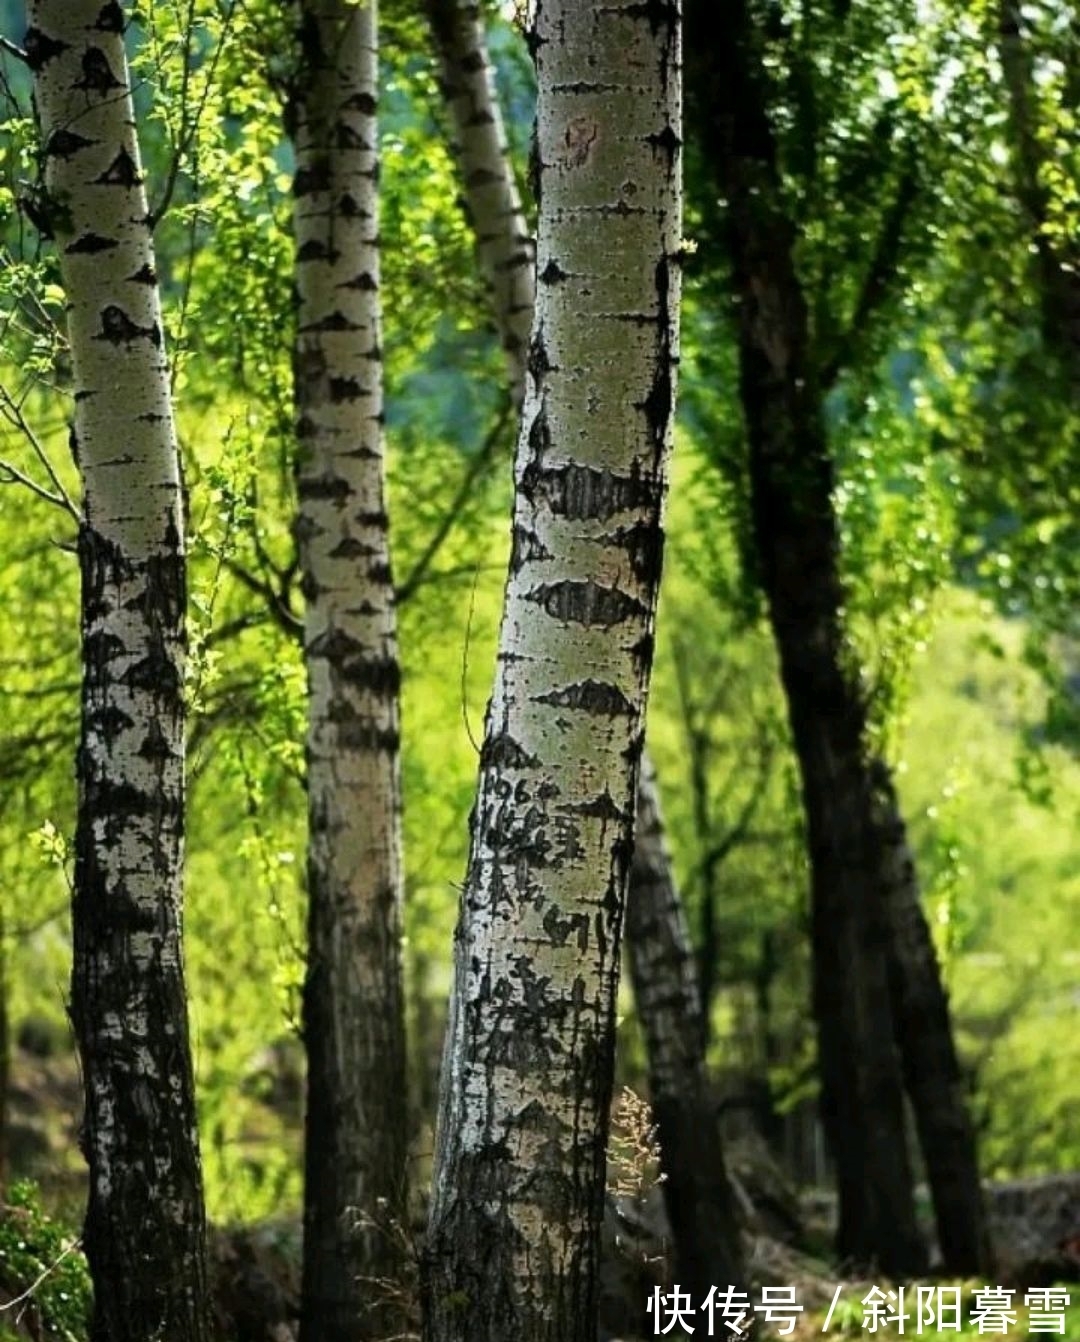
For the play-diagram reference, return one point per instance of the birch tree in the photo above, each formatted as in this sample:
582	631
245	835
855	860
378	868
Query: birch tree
355	1140
696	1192
144	1233
527	1071
504	243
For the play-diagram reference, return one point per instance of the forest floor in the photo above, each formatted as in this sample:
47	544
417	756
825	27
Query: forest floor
256	1267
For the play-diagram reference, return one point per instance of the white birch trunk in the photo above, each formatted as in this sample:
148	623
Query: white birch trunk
503	242
520	1153
355	1156
704	1225
145	1233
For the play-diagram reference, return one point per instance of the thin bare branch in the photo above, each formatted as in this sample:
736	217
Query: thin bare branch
474	471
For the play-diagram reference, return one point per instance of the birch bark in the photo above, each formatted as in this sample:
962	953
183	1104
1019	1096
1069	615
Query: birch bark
355	1137
702	1216
503	242
144	1232
527	1072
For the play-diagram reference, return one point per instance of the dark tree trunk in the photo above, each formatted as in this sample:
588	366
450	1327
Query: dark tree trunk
700	1208
932	1073
797	550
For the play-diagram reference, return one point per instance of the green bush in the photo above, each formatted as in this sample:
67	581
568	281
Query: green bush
43	1274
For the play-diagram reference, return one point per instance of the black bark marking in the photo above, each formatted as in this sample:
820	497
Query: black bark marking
526	548
642	652
110	18
110	721
334	321
313	178
658	404
156	671
583	492
118	328
668	142
352	548
316	249
360	732
364	103
644	546
539	434
590	696
656	13
351	658
602	808
587	603
561	927
537	361
90	244
331	487
553	273
156	745
97	74
146	274
65	144
501	751
40	48
346	137
345	389
122	171
365	282
100	648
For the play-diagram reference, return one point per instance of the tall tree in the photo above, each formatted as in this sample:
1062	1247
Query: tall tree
527	1073
696	1191
880	1006
504	243
355	1138
145	1232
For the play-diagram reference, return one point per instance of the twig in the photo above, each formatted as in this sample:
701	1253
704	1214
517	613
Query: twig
15	476
475	469
12	411
68	1248
12	49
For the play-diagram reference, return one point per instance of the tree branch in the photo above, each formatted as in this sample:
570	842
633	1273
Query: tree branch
474	470
880	275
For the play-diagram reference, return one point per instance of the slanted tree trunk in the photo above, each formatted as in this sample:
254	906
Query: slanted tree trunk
503	242
697	1194
859	1017
355	1137
518	1185
932	1075
704	1226
144	1234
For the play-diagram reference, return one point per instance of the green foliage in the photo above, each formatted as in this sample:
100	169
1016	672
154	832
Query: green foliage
42	1272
